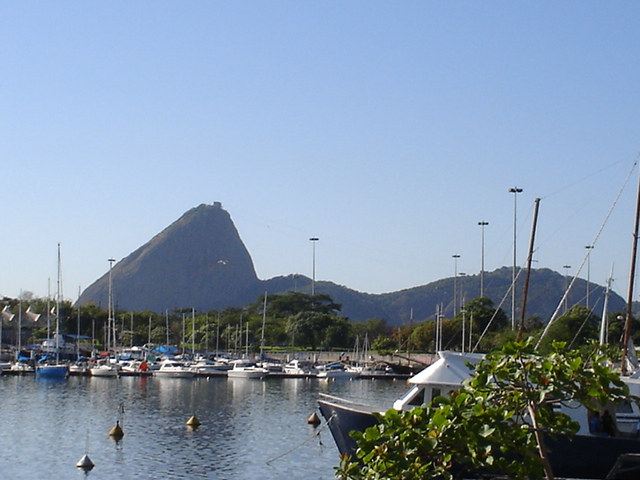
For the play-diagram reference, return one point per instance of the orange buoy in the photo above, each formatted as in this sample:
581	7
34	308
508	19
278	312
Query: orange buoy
193	422
314	419
116	432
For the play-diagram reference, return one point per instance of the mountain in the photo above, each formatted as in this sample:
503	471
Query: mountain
200	261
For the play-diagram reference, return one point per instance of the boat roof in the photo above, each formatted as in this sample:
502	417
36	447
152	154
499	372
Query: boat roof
449	369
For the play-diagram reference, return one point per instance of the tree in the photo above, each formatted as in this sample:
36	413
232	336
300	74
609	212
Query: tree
308	327
292	303
482	311
575	327
494	423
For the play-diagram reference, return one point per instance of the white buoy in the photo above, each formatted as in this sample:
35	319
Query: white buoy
85	463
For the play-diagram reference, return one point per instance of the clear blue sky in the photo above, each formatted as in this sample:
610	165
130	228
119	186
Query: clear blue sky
386	129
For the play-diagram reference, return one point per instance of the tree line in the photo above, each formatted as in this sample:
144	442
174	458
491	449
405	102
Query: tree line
295	320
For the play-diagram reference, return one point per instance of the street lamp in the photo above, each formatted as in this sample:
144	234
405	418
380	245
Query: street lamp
313	241
515	191
482	225
588	247
566	284
455	281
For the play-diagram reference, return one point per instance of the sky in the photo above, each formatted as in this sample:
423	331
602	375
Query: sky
387	130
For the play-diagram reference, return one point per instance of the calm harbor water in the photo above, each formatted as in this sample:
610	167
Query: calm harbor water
250	428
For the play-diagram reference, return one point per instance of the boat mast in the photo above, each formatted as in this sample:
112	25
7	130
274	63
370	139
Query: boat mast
246	342
529	260
19	327
48	308
110	320
627	323
78	333
58	311
264	319
603	322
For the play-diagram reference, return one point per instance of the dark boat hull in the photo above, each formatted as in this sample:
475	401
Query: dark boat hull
585	457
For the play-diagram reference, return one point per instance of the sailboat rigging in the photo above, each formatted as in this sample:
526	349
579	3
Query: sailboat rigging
57	369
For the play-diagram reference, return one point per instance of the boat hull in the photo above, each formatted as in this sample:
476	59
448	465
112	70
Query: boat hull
52	371
247	373
584	456
174	374
103	371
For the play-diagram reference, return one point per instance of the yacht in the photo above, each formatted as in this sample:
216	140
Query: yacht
246	369
335	371
174	369
104	369
299	368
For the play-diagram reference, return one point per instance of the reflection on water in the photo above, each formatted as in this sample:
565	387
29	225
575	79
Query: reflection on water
247	426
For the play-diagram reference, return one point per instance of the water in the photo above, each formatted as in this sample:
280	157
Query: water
250	428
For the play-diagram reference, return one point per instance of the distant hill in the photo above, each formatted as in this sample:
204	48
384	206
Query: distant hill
200	261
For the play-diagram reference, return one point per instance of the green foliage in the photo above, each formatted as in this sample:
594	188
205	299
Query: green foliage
494	423
576	327
482	311
313	329
292	303
383	344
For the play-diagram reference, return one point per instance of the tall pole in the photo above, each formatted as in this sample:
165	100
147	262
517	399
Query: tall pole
529	260
110	309
566	284
455	281
482	225
78	331
313	275
193	332
515	191
627	321
588	247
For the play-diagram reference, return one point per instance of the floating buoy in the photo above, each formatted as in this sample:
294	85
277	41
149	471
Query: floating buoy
314	419
193	422
116	432
85	463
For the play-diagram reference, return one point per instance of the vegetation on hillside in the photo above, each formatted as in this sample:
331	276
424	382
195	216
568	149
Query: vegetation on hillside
296	320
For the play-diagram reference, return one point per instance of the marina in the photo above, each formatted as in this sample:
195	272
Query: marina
249	428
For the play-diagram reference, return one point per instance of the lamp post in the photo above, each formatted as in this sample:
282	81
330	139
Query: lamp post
566	284
455	281
589	248
313	241
515	191
482	225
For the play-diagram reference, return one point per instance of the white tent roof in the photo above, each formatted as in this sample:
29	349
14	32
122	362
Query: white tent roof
449	369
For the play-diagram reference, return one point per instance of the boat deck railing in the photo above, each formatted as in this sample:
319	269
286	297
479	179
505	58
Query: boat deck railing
364	407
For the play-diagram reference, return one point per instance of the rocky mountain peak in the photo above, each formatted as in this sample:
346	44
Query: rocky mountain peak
198	261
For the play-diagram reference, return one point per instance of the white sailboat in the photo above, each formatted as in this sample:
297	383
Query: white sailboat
245	368
57	369
174	369
106	368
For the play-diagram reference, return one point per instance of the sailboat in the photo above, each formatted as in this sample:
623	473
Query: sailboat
244	367
57	369
106	368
